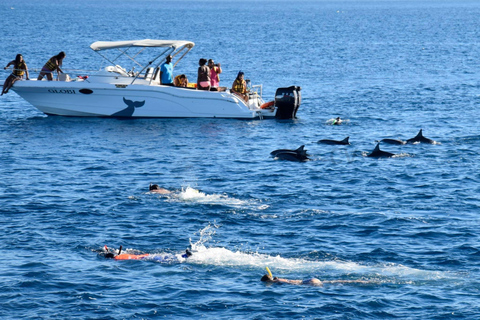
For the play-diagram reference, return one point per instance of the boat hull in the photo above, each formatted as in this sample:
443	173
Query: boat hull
84	99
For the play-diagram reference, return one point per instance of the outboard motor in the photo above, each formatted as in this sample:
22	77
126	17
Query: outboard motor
287	101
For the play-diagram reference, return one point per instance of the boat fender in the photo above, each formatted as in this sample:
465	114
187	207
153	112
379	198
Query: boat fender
268	105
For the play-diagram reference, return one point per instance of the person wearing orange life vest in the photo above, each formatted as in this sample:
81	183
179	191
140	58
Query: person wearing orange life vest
145	256
239	87
53	64
180	81
215	70
19	68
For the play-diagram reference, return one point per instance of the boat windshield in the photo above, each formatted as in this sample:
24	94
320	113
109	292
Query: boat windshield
114	51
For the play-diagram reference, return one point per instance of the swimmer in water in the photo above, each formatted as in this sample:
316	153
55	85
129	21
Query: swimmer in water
309	282
127	256
337	121
154	188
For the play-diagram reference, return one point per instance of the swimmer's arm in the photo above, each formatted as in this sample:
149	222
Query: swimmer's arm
346	281
280	280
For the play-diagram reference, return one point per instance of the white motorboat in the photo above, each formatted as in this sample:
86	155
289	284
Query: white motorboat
115	92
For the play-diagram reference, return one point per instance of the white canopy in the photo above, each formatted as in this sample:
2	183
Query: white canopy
105	45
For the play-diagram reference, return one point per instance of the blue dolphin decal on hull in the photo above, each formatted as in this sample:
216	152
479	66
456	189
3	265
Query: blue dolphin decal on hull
128	111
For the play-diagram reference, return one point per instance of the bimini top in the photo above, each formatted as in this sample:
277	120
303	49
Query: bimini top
105	45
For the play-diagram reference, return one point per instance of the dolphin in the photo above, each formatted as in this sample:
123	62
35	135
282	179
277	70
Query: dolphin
128	111
377	153
393	141
419	138
299	154
343	142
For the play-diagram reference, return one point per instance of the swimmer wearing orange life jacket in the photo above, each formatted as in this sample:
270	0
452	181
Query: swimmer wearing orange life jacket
128	256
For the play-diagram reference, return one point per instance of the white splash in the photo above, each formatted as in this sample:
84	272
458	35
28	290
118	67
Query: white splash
219	256
194	196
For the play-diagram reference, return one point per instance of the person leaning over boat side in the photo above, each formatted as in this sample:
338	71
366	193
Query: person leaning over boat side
19	68
203	78
215	70
239	87
180	81
166	72
52	65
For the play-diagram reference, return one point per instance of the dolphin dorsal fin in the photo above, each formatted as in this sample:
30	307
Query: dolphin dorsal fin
346	140
300	149
377	148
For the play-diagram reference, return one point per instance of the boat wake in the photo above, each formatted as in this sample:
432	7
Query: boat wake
300	267
194	196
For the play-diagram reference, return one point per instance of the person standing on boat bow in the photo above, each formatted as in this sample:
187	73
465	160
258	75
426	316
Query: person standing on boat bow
166	72
53	64
19	68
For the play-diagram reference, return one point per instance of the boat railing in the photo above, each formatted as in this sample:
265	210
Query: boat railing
116	71
255	89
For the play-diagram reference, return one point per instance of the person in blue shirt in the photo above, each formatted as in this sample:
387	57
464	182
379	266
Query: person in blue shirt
166	72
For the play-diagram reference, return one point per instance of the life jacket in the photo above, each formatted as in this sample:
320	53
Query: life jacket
240	86
19	69
127	256
178	81
51	64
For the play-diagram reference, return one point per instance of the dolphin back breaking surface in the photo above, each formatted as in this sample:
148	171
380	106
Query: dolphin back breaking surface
299	154
377	153
419	138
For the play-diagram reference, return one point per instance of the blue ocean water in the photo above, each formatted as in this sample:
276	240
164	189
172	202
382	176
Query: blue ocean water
407	226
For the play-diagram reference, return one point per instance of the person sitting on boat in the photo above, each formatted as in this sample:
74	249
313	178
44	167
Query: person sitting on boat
52	65
239	87
166	72
128	256
154	188
19	68
203	78
181	81
215	70
309	282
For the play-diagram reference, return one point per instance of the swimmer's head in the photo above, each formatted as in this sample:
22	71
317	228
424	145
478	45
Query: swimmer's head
266	278
154	187
109	255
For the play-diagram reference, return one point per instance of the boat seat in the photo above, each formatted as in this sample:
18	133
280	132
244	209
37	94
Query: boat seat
117	69
148	73
156	75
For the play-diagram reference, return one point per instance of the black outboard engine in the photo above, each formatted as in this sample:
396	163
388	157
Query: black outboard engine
287	101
